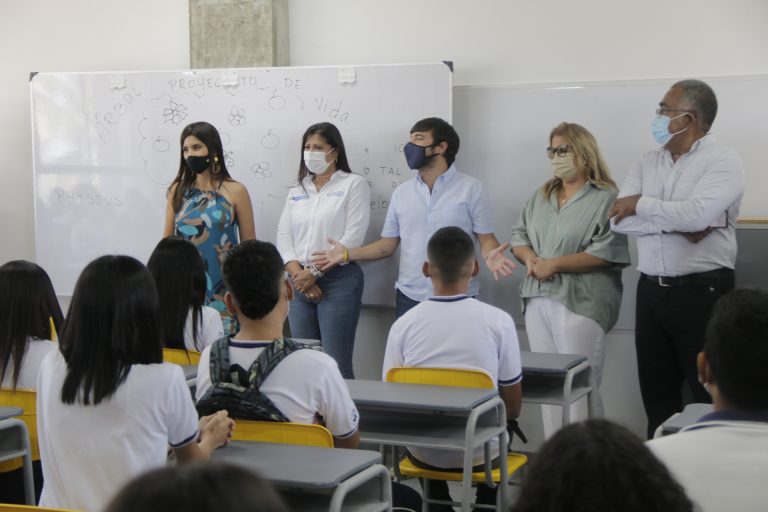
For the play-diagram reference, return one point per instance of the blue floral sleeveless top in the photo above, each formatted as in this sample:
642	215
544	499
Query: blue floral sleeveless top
207	219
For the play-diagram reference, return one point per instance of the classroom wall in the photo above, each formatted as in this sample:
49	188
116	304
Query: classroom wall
76	35
524	41
490	42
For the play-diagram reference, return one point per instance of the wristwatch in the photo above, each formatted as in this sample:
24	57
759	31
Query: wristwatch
316	273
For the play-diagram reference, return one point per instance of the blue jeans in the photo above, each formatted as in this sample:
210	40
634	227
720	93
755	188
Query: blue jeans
403	303
333	318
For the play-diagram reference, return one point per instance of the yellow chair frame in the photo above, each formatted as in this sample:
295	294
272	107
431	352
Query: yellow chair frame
181	357
456	377
283	433
25	399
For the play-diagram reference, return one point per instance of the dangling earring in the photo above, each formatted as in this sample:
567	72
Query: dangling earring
216	166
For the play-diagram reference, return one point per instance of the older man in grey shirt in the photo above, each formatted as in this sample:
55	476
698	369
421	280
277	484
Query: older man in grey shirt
681	203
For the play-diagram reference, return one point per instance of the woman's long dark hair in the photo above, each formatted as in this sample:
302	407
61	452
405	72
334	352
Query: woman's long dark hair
28	304
185	178
112	323
179	273
332	136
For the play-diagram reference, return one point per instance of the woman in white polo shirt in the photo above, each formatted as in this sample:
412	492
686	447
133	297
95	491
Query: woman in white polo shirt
328	202
107	406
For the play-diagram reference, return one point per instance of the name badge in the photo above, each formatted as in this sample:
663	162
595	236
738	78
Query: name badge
299	198
338	193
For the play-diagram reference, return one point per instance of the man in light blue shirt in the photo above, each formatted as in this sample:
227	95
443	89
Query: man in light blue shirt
437	197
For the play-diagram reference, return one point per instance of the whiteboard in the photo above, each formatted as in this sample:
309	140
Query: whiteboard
505	131
106	147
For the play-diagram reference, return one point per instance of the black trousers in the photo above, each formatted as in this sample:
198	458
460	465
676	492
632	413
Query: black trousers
669	333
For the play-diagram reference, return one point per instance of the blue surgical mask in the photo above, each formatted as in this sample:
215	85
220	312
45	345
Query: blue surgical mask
416	155
660	128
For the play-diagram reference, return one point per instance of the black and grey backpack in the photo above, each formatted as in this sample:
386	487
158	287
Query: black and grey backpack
237	390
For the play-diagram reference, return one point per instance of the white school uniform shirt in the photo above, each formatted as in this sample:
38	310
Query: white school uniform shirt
703	188
340	210
414	214
721	461
89	452
34	354
455	332
209	329
306	386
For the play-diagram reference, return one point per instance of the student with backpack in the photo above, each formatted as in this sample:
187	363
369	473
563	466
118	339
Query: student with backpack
274	378
260	375
107	406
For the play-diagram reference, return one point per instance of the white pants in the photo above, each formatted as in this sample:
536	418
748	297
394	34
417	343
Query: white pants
552	327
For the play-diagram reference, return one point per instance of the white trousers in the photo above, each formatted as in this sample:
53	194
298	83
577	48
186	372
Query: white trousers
552	327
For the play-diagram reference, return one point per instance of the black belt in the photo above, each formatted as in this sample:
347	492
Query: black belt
717	277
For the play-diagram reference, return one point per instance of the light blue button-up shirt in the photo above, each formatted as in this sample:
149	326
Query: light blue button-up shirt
414	214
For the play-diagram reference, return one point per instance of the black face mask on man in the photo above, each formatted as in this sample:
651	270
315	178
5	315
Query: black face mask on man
198	163
416	155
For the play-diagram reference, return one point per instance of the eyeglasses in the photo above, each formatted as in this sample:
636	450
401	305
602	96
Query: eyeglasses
560	150
663	110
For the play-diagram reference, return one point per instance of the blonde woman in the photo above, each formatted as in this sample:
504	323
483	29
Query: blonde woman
572	289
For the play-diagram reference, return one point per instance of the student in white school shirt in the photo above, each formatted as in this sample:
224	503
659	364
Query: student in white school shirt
306	386
179	273
107	406
722	459
29	317
453	330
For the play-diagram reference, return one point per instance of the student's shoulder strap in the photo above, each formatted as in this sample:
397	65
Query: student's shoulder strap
269	358
219	361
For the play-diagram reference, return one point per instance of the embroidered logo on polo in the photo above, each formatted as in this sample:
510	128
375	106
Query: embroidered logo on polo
338	193
299	198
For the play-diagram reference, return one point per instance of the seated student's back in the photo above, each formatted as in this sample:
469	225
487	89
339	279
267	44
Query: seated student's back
722	459
306	386
107	407
28	309
29	317
452	330
179	273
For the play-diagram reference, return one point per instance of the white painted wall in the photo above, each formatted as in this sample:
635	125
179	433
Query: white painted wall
76	35
530	42
525	41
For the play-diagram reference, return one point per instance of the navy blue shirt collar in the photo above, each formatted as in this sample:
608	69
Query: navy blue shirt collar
712	419
735	415
449	298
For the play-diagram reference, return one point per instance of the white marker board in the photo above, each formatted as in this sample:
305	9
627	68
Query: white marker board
504	132
106	146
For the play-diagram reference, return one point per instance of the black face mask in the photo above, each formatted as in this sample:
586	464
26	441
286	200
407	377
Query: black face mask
416	156
198	163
